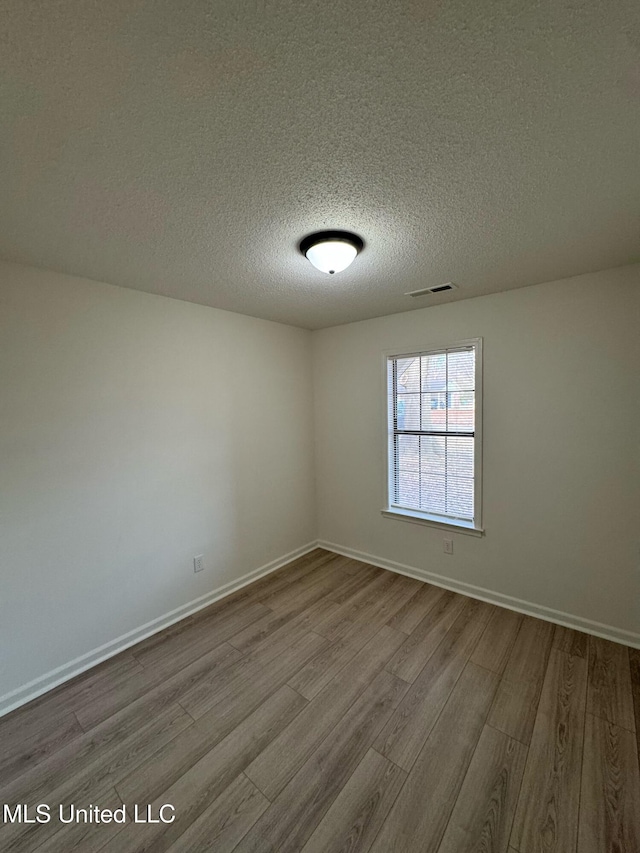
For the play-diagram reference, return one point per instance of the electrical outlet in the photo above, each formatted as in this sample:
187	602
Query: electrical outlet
447	545
198	563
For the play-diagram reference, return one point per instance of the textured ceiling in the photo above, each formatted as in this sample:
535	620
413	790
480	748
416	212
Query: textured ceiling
185	147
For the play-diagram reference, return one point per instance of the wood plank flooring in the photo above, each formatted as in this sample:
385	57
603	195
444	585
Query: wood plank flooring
335	706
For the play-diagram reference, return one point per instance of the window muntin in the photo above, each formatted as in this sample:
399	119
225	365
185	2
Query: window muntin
433	436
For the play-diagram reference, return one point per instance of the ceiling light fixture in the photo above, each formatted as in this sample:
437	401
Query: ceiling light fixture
331	251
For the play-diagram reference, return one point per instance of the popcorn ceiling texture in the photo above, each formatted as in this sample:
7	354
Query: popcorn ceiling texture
184	148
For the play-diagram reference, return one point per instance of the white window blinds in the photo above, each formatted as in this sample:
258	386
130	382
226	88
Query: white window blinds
432	432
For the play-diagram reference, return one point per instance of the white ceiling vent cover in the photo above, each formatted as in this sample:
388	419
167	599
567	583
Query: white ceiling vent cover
438	288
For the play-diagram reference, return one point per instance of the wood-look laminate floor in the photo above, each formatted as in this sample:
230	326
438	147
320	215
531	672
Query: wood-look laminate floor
334	706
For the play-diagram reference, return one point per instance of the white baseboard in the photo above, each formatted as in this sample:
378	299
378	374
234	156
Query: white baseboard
21	695
44	683
568	620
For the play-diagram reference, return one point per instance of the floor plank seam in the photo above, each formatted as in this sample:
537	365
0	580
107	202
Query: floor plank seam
393	802
584	735
510	846
79	723
506	734
180	705
230	642
634	673
536	703
436	649
115	788
390	760
406	633
301	695
433	725
446	826
487	669
584	732
395	674
612	722
137	660
480	729
255	784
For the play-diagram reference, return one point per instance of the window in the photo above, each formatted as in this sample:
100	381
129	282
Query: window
434	435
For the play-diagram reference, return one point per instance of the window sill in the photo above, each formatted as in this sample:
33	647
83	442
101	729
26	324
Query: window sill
466	527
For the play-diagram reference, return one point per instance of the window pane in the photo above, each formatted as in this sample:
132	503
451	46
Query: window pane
434	372
460	497
408	489
432	454
433	494
408	411
459	457
434	411
408	375
461	414
461	371
408	453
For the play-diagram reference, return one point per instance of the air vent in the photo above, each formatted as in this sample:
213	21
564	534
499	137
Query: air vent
438	288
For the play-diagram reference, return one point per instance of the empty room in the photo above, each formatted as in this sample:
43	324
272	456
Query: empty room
320	426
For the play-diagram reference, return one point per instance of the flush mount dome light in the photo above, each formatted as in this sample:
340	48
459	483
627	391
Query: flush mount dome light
331	251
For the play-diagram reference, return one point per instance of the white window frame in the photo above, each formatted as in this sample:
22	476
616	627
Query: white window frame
474	527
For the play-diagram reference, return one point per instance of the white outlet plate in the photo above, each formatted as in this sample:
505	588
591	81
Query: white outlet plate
198	563
447	546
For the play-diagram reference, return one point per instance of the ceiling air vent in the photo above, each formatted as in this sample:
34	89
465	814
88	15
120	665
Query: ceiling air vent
438	288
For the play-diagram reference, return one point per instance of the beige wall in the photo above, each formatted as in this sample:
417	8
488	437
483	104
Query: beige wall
561	444
136	432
